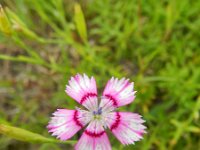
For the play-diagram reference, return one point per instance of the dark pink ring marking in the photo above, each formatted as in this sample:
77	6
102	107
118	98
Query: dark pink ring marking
93	134
112	99
116	123
76	119
86	96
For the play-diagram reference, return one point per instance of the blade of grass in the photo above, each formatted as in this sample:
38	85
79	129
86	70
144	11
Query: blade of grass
80	22
27	136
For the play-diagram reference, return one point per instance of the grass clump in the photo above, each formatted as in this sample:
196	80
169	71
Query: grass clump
154	43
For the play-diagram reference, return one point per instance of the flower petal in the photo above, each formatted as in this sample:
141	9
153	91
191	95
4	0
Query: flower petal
65	123
119	92
106	105
94	138
83	90
127	127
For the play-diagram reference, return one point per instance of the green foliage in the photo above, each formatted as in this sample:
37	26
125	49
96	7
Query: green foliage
154	43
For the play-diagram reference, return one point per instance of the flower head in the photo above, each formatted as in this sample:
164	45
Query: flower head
126	126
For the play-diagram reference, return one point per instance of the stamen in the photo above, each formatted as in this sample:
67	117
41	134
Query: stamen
97	114
94	112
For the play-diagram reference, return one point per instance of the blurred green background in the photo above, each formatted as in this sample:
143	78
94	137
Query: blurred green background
154	43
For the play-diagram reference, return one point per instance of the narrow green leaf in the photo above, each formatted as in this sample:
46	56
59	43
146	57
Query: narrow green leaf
80	22
27	136
20	58
19	25
193	129
5	25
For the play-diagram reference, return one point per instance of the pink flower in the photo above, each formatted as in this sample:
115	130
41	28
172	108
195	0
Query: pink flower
126	126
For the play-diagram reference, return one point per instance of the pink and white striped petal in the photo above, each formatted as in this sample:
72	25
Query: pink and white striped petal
107	105
127	127
83	89
65	123
93	138
119	92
